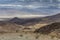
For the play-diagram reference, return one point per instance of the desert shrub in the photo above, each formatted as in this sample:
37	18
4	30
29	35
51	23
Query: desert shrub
21	35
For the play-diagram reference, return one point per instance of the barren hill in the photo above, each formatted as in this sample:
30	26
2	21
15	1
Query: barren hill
49	28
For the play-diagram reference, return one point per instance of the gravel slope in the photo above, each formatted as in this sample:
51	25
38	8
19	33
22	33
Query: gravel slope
25	36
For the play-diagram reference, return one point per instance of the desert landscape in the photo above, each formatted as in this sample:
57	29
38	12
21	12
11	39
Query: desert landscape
40	28
29	19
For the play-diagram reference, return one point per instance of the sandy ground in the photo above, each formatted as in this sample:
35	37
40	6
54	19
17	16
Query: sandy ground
25	36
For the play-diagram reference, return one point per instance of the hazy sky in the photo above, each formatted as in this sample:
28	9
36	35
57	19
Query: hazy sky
29	7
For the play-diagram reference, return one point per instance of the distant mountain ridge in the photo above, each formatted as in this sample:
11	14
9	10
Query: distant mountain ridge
32	21
51	19
15	24
24	21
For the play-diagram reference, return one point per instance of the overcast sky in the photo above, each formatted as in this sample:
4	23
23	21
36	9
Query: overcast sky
29	7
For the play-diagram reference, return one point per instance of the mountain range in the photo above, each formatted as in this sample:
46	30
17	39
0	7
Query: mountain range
17	24
51	19
31	21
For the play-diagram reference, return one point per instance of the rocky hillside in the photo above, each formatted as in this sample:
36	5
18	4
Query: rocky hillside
9	27
49	28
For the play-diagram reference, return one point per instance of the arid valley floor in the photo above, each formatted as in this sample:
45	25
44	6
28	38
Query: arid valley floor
26	36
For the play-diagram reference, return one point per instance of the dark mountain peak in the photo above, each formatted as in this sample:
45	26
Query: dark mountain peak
15	19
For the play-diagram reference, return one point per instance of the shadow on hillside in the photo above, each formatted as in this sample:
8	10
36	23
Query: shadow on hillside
48	28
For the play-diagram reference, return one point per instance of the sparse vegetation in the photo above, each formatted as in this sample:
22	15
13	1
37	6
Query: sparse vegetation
21	35
28	29
49	28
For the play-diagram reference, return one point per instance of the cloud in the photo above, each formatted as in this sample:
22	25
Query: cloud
34	7
23	6
16	13
22	16
10	5
59	0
